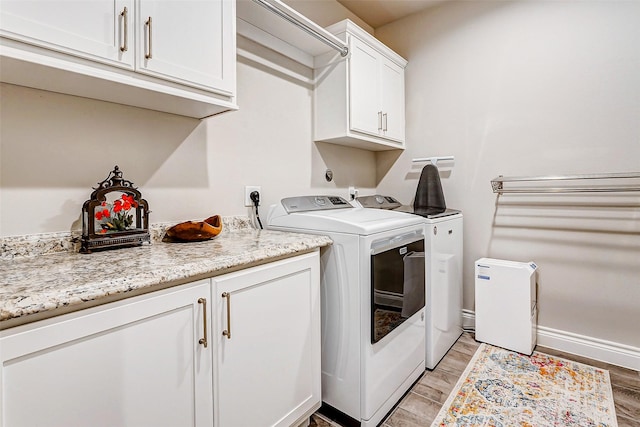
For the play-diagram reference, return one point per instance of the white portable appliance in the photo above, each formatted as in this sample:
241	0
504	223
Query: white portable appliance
506	312
372	286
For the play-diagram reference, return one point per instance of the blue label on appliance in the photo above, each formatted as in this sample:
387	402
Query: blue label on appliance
480	276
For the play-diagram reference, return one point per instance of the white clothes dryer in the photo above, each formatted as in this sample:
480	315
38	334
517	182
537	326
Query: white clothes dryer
443	247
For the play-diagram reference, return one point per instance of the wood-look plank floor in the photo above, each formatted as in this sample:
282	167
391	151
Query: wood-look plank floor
419	407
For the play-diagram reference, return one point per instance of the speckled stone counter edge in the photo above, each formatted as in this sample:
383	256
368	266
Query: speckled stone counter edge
31	245
36	287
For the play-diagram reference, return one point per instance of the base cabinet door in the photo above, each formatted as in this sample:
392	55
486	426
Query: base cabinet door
267	338
137	362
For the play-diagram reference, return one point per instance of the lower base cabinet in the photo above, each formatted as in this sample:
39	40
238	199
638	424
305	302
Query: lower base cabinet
143	361
267	344
136	362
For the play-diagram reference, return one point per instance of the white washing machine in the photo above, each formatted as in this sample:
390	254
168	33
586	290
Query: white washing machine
373	318
443	247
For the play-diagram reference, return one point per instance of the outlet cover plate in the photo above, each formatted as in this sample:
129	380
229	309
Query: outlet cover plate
248	189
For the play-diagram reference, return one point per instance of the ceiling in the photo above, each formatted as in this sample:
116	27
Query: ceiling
380	12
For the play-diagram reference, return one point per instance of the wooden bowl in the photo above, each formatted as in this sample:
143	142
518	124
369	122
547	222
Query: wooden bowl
192	231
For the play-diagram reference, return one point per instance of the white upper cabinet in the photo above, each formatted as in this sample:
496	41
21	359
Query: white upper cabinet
176	56
183	41
97	30
360	101
364	105
392	100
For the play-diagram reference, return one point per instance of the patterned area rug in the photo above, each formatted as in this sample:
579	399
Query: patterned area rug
501	388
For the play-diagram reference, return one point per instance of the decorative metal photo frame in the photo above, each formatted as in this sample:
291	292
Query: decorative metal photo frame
115	216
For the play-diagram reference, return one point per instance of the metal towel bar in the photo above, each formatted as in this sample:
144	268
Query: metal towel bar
497	184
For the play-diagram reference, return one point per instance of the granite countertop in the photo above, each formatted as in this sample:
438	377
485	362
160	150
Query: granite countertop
36	287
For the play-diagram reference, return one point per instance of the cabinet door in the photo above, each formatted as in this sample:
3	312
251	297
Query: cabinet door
136	362
189	41
97	29
392	94
268	369
364	90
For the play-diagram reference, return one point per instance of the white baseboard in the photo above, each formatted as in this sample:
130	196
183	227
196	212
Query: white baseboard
581	345
593	348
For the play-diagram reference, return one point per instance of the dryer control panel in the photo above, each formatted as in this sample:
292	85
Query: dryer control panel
379	202
314	203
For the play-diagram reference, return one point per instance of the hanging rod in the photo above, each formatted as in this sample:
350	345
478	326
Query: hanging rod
497	184
433	160
306	25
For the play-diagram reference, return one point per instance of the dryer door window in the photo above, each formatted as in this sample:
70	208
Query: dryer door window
397	285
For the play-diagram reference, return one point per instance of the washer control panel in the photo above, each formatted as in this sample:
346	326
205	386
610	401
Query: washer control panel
314	203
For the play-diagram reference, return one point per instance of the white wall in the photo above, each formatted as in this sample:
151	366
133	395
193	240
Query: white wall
54	148
532	88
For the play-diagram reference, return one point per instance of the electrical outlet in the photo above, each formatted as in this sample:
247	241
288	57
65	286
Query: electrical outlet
353	193
248	189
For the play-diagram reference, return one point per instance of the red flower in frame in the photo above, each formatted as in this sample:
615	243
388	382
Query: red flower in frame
116	216
129	202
